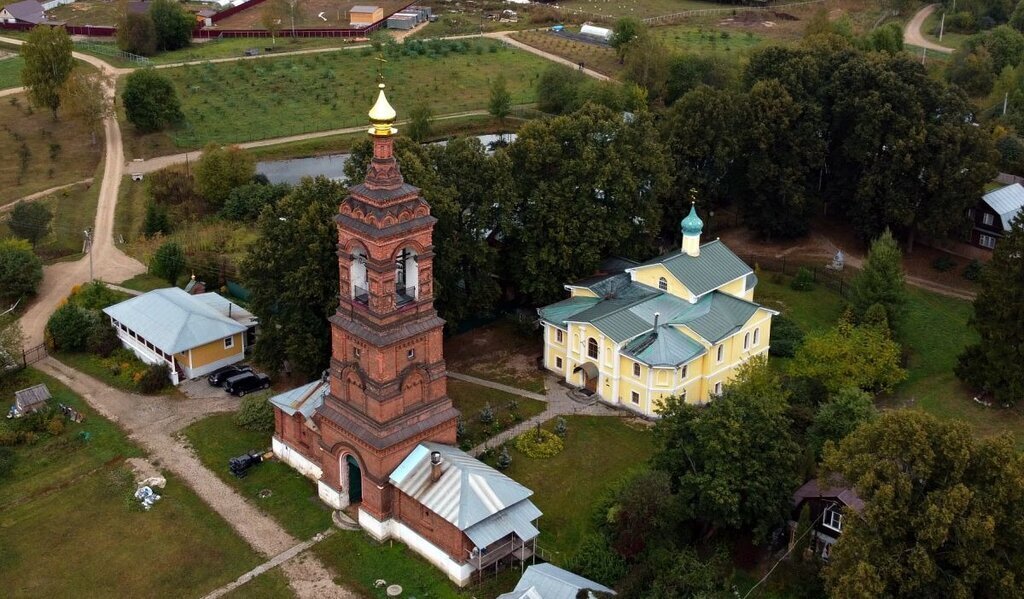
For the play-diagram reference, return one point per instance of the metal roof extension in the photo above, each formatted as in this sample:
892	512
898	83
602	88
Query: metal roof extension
305	399
1007	202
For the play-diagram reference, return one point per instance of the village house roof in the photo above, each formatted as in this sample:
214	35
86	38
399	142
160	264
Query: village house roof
547	581
226	307
28	11
813	489
304	400
715	266
1007	202
363	9
175	321
31	398
480	501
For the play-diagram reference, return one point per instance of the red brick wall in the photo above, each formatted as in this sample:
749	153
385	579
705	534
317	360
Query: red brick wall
432	527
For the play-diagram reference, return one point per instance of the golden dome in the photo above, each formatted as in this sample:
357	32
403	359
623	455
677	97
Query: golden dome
382	115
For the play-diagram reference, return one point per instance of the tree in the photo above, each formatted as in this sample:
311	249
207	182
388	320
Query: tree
255	414
48	63
84	97
586	186
686	72
157	221
21	271
68	328
168	262
641	513
942	513
647	64
292	271
173	24
246	202
689	576
596	560
994	363
419	122
861	357
847	409
150	101
31	221
887	38
136	33
973	71
625	31
171	187
558	90
220	170
500	104
881	281
272	17
732	462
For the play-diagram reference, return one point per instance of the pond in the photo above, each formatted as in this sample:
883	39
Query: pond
332	166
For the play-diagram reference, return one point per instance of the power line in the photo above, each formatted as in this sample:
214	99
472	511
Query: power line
784	556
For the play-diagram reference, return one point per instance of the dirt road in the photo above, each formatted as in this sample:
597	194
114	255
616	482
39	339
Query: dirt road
912	32
152	422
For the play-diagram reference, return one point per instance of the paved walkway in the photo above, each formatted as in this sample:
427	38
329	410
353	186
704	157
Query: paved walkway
152	422
912	32
558	404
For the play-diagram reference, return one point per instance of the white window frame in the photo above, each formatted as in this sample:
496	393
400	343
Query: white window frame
636	369
832	519
634	397
746	340
357	353
988	219
718	388
229	342
410	354
986	241
558	362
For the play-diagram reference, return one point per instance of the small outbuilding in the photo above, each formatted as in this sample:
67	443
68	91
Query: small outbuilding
30	400
363	16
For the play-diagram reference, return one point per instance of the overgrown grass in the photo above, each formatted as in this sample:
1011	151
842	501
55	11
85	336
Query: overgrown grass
39	152
101	368
69	520
293	501
701	40
471	400
599	450
74	211
10	71
498	352
144	282
259	99
272	584
595	57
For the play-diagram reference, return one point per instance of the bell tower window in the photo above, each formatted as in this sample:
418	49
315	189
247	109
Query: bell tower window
406	276
357	276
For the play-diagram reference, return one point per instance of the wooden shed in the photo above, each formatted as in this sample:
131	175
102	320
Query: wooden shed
364	16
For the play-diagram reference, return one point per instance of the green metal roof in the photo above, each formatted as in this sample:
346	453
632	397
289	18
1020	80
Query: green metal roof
669	347
715	266
717	315
559	312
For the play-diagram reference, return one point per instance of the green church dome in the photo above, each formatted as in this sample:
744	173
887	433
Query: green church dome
692	224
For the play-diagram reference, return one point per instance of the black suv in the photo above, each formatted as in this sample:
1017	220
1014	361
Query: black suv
222	374
247	382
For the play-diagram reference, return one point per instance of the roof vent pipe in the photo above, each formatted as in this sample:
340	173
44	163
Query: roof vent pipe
435	466
657	315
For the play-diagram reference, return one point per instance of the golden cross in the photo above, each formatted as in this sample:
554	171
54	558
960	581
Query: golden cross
380	67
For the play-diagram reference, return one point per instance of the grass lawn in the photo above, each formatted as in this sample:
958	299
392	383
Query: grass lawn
599	450
700	40
272	584
69	523
73	210
293	501
144	282
813	310
40	152
10	71
930	30
471	399
274	97
596	57
498	352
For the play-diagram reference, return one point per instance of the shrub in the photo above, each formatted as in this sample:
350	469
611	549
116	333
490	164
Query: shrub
504	459
803	281
597	561
943	263
255	414
539	444
93	296
786	337
460	429
55	426
102	339
561	429
972	272
7	459
8	438
487	414
154	378
168	262
69	328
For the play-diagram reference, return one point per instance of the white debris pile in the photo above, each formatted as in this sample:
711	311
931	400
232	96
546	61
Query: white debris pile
146	496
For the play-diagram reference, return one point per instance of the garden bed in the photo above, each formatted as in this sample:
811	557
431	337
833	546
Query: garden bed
507	410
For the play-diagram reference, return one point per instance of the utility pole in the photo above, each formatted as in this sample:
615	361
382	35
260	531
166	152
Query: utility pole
942	26
88	250
1006	99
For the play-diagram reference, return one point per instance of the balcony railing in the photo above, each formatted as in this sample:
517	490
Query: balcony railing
404	296
362	295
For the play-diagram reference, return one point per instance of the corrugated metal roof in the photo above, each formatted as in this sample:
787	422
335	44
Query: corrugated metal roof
717	316
559	312
173	320
1007	202
668	348
548	581
715	266
468	490
305	399
518	518
226	307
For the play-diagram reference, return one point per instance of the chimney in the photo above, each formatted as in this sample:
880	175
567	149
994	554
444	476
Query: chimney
657	315
435	466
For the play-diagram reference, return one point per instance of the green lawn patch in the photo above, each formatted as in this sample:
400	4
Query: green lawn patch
499	352
950	39
814	310
599	450
144	282
273	97
69	521
293	500
10	71
471	399
272	584
74	211
707	41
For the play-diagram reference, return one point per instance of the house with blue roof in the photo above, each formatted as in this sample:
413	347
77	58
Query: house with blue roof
680	324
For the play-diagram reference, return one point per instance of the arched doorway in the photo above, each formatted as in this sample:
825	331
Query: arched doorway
355	480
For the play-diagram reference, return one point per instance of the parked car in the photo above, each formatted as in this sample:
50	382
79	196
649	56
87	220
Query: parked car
221	375
247	382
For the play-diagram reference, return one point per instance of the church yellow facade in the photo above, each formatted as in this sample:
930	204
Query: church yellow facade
680	324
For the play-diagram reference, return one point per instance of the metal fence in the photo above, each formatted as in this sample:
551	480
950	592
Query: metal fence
819	268
113	51
29	356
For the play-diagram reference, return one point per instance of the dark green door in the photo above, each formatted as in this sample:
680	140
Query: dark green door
355	481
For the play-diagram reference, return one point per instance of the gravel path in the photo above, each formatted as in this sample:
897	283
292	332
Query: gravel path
152	422
912	33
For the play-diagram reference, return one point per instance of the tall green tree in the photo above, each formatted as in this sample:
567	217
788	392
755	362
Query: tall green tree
48	63
221	169
168	262
862	357
150	101
419	125
136	33
844	411
881	281
292	272
943	515
647	65
994	363
732	462
625	31
586	185
84	97
500	103
31	221
21	270
173	24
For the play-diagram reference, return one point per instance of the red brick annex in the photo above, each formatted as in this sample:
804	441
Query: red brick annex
377	432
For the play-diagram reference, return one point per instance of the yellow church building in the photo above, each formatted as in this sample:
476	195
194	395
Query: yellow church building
680	324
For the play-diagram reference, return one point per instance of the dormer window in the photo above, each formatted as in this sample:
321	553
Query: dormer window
833	519
663	284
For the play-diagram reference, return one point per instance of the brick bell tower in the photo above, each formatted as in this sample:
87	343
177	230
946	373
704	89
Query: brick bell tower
387	375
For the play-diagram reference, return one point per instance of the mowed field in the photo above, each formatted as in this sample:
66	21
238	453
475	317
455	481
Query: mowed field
274	97
99	12
10	70
335	14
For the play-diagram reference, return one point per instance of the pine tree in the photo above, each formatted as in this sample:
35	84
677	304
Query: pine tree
881	281
994	364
